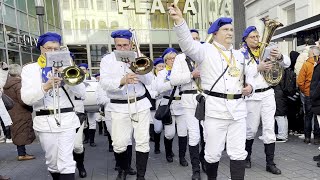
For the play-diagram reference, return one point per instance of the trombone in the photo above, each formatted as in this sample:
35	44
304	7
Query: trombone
71	75
141	66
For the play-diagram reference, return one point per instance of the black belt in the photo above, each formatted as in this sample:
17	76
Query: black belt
117	101
262	90
221	95
174	98
188	92
76	98
45	112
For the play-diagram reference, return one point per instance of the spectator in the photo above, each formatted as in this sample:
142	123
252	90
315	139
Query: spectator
4	116
21	129
303	81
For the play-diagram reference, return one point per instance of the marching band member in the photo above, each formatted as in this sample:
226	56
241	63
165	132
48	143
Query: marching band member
158	65
225	108
90	131
56	136
130	109
262	105
164	87
184	73
100	119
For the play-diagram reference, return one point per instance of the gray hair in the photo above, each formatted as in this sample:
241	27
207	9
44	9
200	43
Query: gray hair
15	70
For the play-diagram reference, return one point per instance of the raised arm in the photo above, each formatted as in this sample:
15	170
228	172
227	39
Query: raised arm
180	73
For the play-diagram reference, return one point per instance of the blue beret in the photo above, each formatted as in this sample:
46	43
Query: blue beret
49	36
194	30
96	75
168	50
202	42
219	23
158	61
121	34
247	32
84	65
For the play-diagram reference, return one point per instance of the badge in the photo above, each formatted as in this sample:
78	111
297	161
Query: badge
234	71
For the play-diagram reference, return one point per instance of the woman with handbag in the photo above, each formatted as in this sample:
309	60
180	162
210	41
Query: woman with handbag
170	103
21	129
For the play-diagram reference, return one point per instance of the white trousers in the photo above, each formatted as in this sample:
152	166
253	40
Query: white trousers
122	128
78	142
263	110
219	132
193	126
92	117
282	122
58	148
108	123
182	130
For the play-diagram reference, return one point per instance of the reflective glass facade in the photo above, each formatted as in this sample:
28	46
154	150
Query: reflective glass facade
87	24
19	29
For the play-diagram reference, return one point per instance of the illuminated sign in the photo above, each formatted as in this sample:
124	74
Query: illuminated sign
142	6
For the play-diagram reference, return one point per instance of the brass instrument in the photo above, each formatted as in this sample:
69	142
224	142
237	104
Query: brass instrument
274	75
142	64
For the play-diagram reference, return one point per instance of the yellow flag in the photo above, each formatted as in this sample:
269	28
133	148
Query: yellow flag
42	61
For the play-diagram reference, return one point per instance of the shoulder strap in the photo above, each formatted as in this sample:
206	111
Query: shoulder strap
219	78
188	60
65	91
172	94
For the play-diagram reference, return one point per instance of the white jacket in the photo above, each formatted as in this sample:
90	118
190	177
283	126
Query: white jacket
211	65
6	119
32	94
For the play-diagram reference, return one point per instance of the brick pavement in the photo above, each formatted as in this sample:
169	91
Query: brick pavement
294	158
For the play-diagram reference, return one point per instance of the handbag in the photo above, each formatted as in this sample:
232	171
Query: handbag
163	112
8	102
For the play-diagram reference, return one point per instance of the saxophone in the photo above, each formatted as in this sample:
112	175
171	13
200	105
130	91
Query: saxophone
274	75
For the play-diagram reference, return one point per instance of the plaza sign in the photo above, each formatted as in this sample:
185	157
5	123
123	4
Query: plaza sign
140	6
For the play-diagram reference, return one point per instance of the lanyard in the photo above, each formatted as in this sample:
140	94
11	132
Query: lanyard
225	56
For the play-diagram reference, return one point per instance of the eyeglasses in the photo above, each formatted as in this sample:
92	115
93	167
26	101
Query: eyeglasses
254	37
170	58
119	46
51	48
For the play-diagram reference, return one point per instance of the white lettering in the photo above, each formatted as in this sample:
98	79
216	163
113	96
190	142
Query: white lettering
191	8
157	5
138	7
122	5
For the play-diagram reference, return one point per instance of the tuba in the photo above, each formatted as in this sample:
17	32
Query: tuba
274	75
142	64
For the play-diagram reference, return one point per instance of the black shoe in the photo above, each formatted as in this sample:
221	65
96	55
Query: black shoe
280	140
117	168
93	144
273	169
85	141
82	172
105	133
307	140
141	164
122	175
318	164
157	151
316	158
196	176
183	162
131	171
248	163
169	159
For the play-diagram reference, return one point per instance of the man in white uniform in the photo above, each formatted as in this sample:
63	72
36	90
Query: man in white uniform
225	108
262	105
184	73
129	107
56	135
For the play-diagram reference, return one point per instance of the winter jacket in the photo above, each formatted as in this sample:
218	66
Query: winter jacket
21	130
305	75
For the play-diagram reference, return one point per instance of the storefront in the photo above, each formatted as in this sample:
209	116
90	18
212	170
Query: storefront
19	29
87	25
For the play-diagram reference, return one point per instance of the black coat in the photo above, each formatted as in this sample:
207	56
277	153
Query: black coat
315	90
281	101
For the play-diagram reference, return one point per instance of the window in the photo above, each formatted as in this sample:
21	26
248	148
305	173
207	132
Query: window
102	25
93	24
67	25
100	5
66	4
21	4
33	25
56	14
291	16
9	16
31	7
49	12
83	3
14	57
84	24
23	21
3	55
